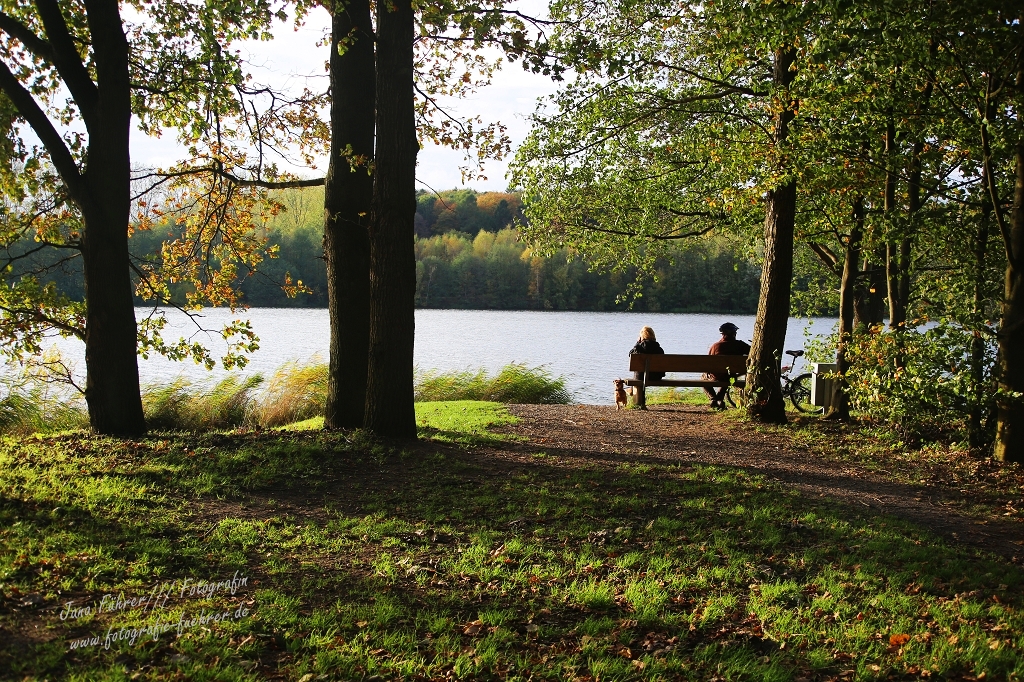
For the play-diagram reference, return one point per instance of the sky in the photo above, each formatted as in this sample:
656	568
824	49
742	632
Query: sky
293	60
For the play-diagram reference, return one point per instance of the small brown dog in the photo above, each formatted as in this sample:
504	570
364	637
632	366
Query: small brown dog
621	401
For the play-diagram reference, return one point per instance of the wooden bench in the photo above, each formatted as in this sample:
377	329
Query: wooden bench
733	366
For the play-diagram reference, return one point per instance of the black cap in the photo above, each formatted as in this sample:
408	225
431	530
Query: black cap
728	327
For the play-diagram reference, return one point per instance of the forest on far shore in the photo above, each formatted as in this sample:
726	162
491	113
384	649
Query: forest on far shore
469	256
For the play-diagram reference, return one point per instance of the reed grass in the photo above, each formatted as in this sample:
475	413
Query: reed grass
32	408
515	383
184	406
295	392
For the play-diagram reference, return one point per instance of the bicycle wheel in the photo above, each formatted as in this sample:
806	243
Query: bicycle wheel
799	391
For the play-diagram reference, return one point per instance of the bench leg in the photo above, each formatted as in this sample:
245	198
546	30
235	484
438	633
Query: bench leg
641	398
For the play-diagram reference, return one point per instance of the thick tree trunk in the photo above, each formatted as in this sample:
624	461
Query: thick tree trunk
1010	425
764	365
347	193
389	391
112	381
840	409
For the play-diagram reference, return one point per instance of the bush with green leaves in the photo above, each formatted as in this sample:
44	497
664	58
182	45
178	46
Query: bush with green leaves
923	382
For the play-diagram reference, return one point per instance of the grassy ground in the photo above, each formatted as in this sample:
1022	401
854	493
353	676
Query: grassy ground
987	488
681	396
294	392
445	561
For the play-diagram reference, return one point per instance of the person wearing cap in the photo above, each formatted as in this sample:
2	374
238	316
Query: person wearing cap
727	345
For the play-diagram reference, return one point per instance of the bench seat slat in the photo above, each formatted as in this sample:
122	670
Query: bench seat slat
717	364
693	383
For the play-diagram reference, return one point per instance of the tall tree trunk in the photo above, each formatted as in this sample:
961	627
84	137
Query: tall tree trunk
869	306
975	434
840	408
897	305
347	192
112	370
1010	424
764	365
899	261
389	390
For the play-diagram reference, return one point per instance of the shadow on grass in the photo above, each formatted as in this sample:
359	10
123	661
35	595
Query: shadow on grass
438	561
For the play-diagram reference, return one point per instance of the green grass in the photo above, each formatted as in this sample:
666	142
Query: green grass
462	421
973	482
684	396
442	561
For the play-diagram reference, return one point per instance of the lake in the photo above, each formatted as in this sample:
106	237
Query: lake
589	349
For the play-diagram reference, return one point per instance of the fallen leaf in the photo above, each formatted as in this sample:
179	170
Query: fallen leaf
899	640
953	639
473	629
532	628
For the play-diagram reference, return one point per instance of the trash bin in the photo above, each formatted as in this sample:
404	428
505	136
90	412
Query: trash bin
821	387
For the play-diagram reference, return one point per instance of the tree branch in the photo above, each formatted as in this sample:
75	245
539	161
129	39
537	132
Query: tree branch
37	316
986	156
660	237
827	256
26	37
67	60
59	153
234	179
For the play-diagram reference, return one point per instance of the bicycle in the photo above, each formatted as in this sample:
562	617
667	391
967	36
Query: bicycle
795	389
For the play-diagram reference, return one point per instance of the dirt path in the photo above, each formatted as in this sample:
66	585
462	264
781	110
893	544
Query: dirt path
589	434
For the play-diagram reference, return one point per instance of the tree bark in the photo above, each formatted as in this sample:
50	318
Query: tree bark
389	390
112	370
1010	422
347	192
897	305
764	365
840	408
898	263
869	305
975	434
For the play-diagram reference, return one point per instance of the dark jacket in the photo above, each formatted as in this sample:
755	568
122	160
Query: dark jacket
727	347
648	347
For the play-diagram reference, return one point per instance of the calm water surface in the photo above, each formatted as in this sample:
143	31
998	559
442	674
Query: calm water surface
588	349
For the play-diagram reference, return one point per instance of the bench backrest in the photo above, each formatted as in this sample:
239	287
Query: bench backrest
733	365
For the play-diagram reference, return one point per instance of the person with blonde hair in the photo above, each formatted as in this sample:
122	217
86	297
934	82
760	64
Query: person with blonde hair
647	344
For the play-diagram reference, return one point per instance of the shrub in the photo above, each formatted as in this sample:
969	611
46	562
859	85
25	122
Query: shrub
922	384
